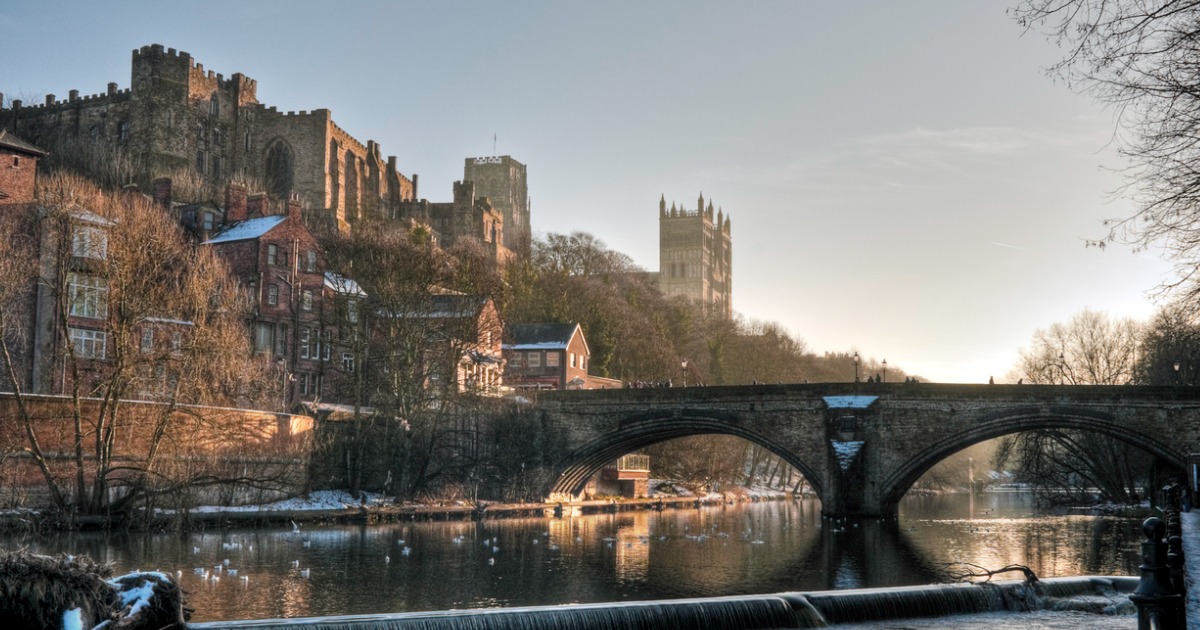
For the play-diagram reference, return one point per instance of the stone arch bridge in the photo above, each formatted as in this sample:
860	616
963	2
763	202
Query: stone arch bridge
861	447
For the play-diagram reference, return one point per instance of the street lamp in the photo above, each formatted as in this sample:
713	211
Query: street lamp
856	359
1176	372
885	370
683	364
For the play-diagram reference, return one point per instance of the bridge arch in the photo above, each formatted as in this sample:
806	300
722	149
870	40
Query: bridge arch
1005	422
646	429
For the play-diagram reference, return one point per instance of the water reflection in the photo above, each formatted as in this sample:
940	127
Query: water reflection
755	548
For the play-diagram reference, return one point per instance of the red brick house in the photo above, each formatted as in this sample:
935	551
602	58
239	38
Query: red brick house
18	169
550	356
279	262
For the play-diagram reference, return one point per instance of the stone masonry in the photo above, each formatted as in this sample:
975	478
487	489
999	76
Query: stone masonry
860	459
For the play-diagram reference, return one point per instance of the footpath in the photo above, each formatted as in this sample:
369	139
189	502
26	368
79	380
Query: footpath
1191	556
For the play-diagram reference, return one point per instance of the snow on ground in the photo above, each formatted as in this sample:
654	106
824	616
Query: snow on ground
319	500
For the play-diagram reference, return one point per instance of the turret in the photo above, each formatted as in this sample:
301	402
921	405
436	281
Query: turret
662	206
700	204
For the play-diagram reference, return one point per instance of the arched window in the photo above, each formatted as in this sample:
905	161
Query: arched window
214	106
279	169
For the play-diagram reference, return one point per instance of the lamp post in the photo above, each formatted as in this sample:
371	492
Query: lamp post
683	364
1176	372
885	370
856	372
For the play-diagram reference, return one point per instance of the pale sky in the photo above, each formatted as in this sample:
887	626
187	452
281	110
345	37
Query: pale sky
903	178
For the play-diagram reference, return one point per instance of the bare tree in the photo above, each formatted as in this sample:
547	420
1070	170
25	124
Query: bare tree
1142	58
1090	349
130	311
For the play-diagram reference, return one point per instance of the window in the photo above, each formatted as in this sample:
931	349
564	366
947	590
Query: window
515	360
200	133
272	254
273	294
247	140
304	341
89	344
176	342
327	338
348	362
310	261
214	106
147	340
281	337
216	136
201	161
535	359
209	221
123	131
572	357
94	132
264	336
88	295
352	311
305	382
216	167
552	359
306	300
89	242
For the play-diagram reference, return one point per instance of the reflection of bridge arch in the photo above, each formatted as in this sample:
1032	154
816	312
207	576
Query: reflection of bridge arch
1017	420
643	430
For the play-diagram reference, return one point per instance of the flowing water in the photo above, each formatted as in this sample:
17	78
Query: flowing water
766	547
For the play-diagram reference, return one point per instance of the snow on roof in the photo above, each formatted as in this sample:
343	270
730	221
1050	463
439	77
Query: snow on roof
89	217
246	230
341	284
849	402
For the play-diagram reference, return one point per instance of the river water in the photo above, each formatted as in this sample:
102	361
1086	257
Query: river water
746	548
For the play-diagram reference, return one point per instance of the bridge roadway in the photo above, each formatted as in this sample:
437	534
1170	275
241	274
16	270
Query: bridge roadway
861	446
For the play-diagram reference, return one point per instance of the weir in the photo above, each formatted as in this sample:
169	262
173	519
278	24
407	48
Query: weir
782	610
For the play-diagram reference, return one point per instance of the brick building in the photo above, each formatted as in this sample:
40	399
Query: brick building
550	356
18	169
297	309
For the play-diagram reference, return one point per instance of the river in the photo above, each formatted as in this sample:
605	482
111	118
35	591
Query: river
746	548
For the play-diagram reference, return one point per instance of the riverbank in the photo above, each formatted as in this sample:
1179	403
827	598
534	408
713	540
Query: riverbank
338	507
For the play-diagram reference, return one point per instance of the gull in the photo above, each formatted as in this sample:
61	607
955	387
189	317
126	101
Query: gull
295	528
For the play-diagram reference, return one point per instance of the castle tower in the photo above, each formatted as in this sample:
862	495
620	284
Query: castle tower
695	255
502	180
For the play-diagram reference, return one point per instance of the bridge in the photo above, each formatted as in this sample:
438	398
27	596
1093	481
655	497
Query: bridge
861	446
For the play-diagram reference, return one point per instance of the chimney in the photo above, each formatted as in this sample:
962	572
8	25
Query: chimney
256	206
294	207
161	191
235	203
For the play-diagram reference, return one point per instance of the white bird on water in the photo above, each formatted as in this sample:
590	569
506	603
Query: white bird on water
304	572
295	528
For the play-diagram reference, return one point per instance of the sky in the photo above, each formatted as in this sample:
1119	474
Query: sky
903	178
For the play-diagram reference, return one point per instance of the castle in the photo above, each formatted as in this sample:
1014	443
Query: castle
695	255
176	117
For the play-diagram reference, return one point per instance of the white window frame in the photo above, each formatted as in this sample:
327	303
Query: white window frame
310	261
273	294
534	360
147	344
305	340
306	300
87	295
272	253
348	362
89	344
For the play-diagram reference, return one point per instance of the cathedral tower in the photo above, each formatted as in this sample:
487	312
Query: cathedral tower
695	255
